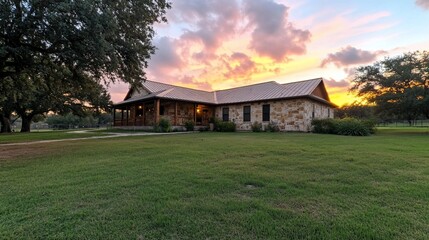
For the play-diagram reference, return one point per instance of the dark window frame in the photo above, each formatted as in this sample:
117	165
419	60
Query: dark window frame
247	113
266	115
225	114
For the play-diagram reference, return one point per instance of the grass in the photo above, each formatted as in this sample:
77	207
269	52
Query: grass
219	186
46	135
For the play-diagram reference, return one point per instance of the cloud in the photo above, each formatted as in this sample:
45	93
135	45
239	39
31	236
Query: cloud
273	35
215	42
423	3
212	22
166	57
239	66
336	84
351	56
190	81
118	90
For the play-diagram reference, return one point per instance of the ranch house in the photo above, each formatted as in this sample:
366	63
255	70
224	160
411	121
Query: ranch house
291	106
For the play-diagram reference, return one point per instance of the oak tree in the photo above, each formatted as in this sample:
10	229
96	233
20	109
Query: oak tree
53	51
398	86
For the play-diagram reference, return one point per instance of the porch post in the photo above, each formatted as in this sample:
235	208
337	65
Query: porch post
127	115
156	111
114	116
175	113
122	117
144	114
195	114
135	113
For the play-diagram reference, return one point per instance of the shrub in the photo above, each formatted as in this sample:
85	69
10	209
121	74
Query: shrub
224	126
256	127
212	120
346	126
327	125
272	127
352	127
370	124
164	125
189	125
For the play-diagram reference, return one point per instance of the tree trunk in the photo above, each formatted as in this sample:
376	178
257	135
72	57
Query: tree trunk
26	123
5	124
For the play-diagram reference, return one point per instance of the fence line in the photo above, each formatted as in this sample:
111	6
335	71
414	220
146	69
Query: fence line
404	123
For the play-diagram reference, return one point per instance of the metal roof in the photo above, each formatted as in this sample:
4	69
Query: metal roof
250	93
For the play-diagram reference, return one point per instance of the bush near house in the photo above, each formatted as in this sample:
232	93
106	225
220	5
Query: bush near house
221	126
345	126
272	127
256	127
326	126
164	125
189	125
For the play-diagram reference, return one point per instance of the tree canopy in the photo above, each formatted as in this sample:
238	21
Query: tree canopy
398	86
58	55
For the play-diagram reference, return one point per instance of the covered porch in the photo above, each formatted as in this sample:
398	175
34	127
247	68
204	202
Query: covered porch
148	113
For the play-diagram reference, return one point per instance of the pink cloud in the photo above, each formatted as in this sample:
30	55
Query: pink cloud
199	55
244	68
351	56
117	91
212	22
274	36
423	3
166	56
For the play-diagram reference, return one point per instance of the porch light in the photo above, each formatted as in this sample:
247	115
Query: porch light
140	107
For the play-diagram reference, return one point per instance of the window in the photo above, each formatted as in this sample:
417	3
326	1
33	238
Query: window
225	114
329	112
266	113
161	110
246	113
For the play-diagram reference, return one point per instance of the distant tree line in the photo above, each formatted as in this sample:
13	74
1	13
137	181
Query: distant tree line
59	56
394	88
71	121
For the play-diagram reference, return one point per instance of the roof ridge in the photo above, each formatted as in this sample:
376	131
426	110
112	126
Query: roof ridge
176	86
246	86
162	93
313	79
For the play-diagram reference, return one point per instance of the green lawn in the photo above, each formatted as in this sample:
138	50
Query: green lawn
219	186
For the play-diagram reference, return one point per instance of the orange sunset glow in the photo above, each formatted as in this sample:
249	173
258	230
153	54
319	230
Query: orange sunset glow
213	45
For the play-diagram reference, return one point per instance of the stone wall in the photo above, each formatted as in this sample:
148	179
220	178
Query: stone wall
289	115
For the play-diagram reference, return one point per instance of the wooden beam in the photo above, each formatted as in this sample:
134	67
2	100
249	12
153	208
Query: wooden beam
114	116
144	114
127	115
175	113
195	114
135	113
157	105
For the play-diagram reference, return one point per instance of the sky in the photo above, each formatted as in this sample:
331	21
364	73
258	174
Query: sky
219	44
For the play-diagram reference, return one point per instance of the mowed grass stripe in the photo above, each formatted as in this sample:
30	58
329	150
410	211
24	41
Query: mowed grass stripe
221	186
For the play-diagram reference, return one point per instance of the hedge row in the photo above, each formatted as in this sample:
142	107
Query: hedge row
345	126
221	126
